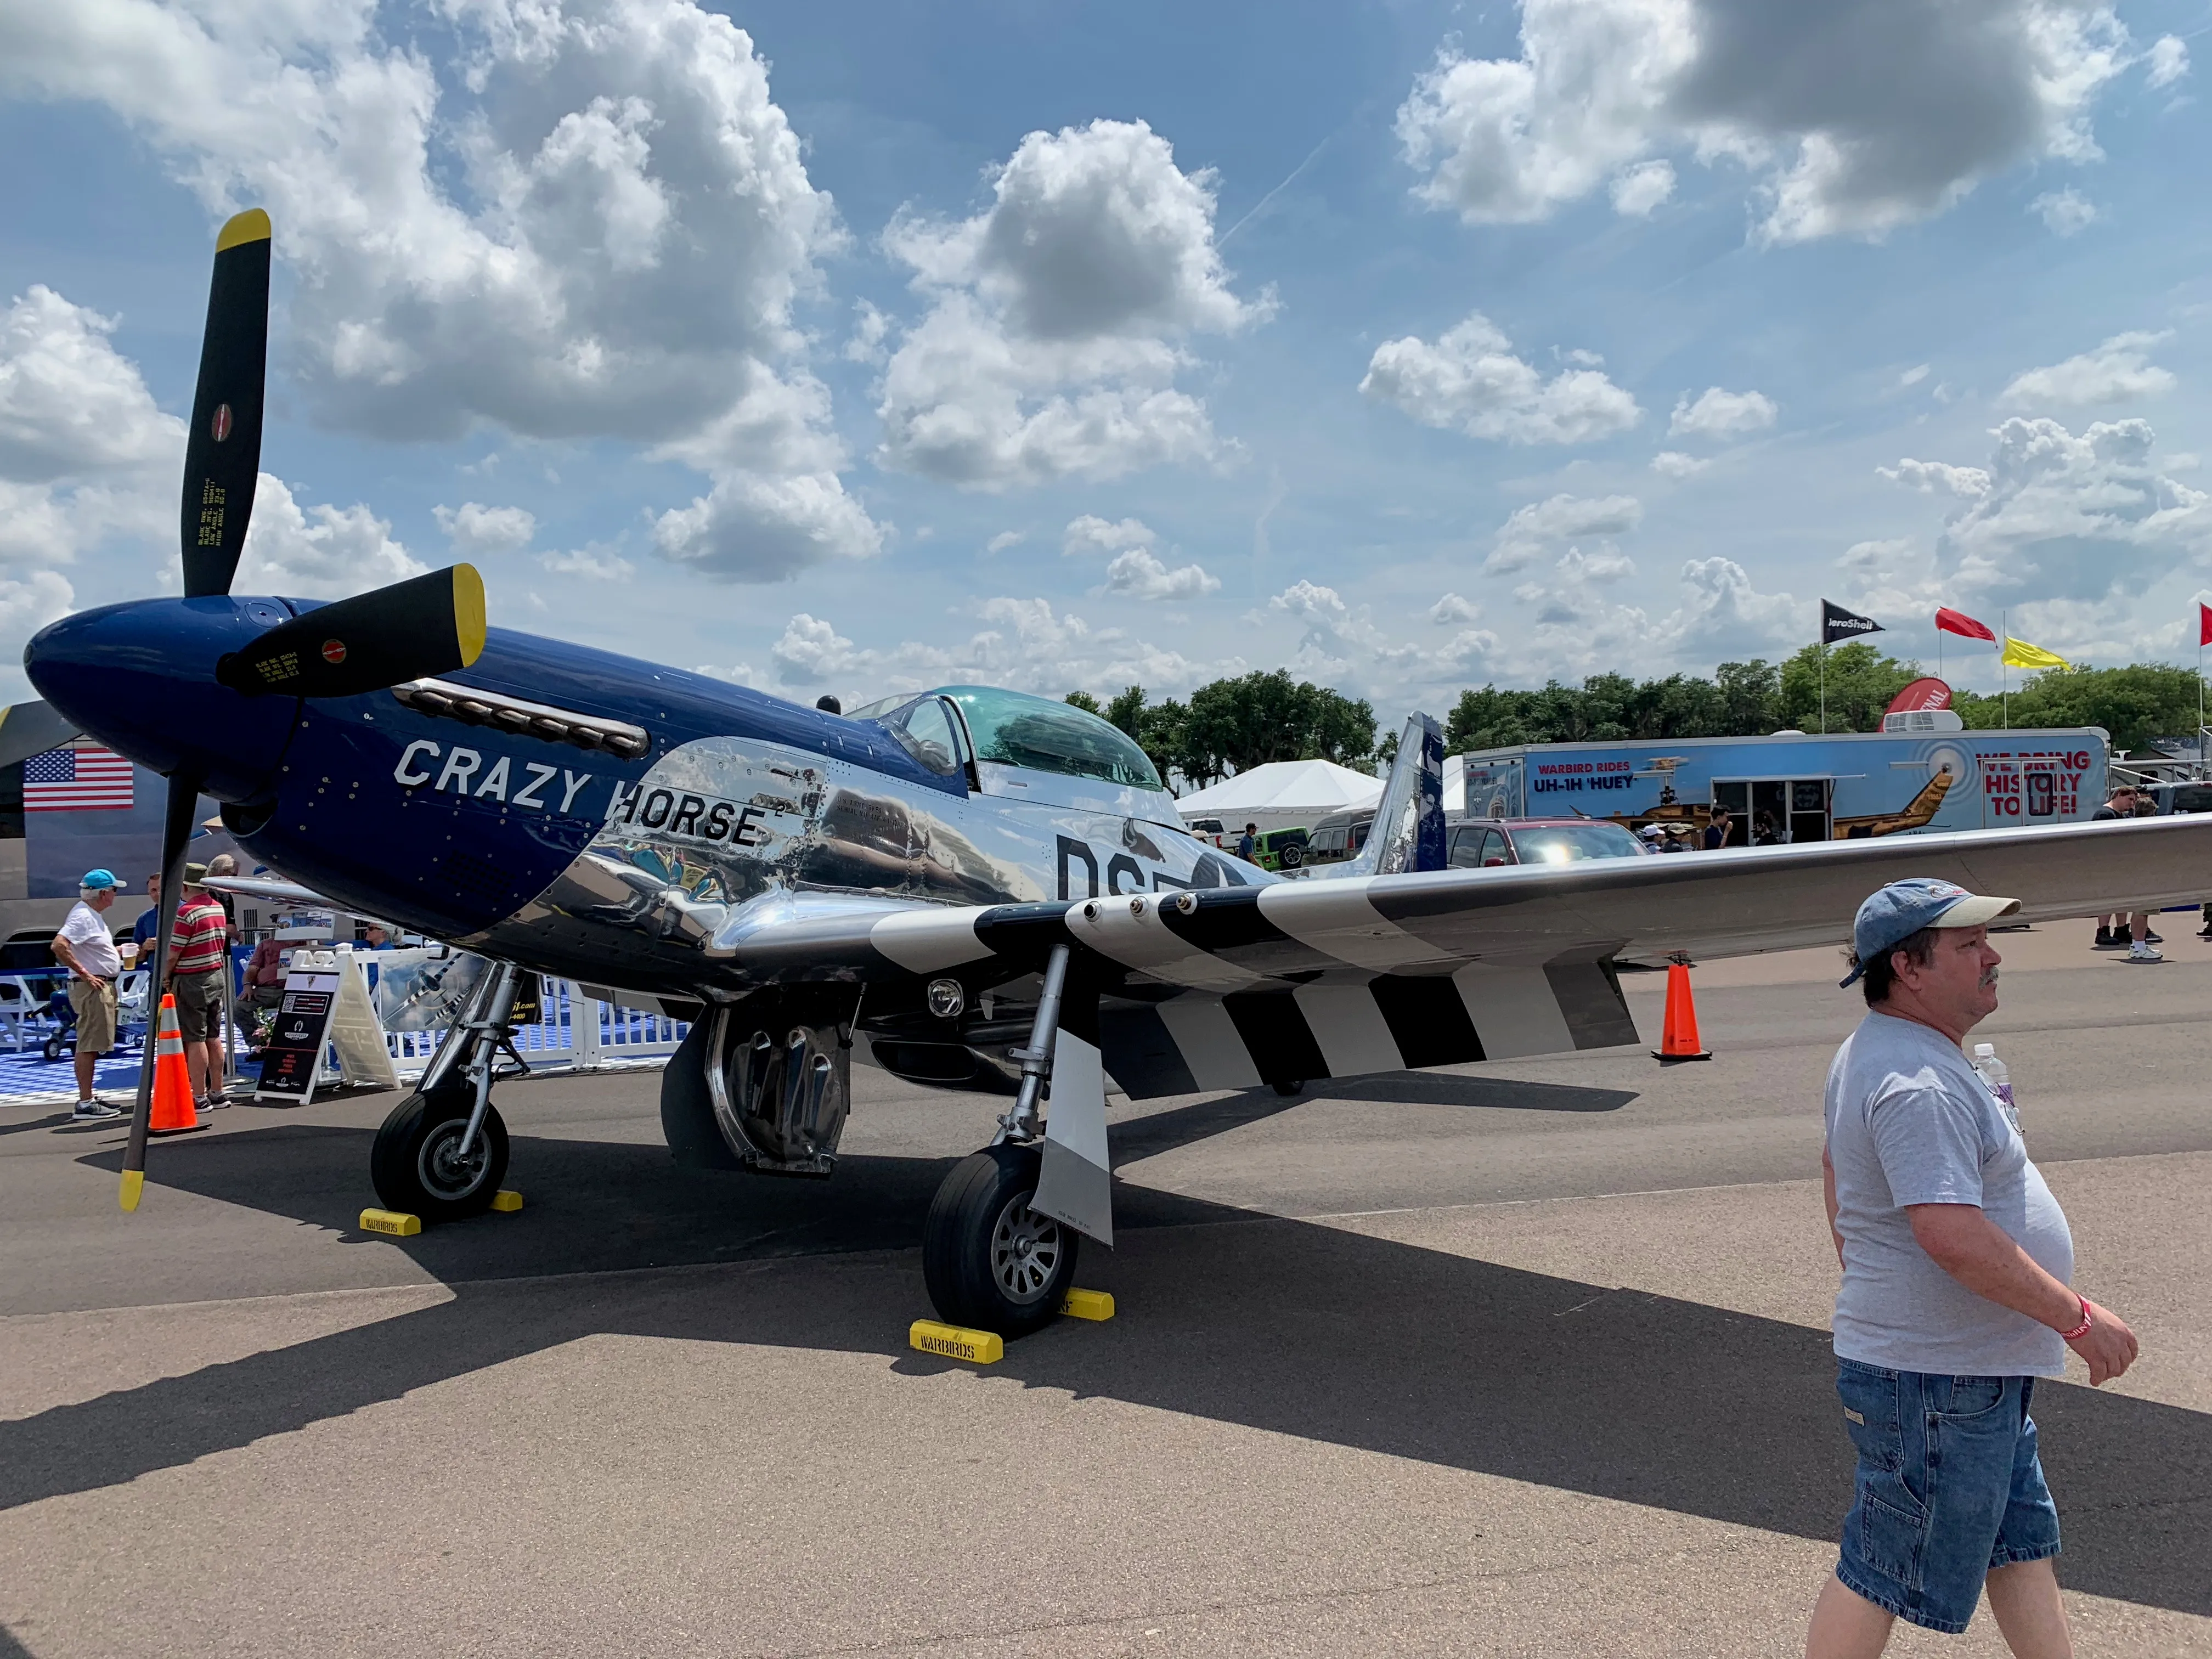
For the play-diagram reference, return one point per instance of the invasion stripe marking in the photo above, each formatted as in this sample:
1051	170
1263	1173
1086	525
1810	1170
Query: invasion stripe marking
1275	1034
1338	918
1515	1011
1141	1054
1427	1018
1130	931
1349	1029
1212	1047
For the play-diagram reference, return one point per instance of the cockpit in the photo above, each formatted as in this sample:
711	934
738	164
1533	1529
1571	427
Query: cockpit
954	727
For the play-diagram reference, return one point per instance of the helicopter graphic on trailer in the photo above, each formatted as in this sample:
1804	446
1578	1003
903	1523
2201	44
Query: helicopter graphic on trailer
968	887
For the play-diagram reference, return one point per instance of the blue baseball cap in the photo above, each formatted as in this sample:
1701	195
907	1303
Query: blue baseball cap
97	879
1901	909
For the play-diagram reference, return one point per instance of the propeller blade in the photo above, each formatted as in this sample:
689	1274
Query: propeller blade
429	624
31	728
222	454
176	831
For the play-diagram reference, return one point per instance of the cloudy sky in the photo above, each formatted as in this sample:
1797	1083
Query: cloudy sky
854	348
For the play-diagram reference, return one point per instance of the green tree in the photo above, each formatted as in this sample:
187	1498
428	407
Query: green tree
1084	701
1751	698
1233	724
2133	704
1861	682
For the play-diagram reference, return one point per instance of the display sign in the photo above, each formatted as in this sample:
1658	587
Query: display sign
292	1058
325	1006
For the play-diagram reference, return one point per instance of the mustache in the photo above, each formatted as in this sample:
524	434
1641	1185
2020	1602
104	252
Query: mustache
1989	978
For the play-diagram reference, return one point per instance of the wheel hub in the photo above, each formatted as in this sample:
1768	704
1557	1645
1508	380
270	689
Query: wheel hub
443	1169
1026	1249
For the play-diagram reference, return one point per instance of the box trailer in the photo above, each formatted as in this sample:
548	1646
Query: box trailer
1835	787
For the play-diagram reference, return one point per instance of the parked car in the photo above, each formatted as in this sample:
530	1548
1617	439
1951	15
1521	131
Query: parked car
1214	832
1339	836
1281	849
1485	843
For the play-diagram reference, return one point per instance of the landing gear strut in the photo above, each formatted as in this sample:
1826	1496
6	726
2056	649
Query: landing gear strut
993	1260
442	1153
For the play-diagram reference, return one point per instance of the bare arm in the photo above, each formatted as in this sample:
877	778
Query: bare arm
1828	1192
1981	1255
64	954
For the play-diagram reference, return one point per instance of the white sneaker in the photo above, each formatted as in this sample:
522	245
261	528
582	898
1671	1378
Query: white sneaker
2142	952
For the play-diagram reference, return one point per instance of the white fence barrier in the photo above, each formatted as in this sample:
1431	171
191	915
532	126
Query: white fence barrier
576	1033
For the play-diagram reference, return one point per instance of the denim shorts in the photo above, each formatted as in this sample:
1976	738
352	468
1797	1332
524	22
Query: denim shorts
1948	1486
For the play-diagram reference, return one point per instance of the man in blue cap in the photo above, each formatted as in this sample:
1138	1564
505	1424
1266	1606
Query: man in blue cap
87	948
1954	1299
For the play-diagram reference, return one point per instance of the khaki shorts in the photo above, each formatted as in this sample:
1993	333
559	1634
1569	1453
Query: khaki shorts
200	1005
94	1000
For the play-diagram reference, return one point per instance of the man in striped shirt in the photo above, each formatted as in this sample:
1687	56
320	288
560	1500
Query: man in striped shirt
198	955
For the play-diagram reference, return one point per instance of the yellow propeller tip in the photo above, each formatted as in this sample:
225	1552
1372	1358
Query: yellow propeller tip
251	226
134	1184
468	612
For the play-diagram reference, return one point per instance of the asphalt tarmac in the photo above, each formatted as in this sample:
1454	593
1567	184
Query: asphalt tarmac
1527	1358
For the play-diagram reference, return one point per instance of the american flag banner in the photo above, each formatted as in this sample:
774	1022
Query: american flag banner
74	779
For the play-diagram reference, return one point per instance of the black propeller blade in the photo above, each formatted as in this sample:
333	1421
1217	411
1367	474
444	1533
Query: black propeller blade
31	728
429	624
222	454
176	830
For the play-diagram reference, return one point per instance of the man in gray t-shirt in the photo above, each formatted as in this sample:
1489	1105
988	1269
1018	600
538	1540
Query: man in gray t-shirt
1954	1296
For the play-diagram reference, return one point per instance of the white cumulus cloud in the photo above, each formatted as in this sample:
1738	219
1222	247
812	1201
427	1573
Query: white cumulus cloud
1091	535
2168	58
1140	575
594	225
319	552
1639	192
1719	414
2065	212
1059	318
1853	118
477	531
1928	477
1470	378
2116	372
1675	464
1532	531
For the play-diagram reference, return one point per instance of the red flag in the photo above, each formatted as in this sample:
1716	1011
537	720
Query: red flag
1955	622
2203	622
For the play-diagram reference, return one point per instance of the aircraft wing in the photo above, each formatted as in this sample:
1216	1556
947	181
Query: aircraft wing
1228	988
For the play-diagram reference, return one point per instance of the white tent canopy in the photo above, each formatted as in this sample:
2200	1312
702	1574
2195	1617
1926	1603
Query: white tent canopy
1282	794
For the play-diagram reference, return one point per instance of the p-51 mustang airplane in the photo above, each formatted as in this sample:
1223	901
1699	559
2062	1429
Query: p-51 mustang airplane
971	887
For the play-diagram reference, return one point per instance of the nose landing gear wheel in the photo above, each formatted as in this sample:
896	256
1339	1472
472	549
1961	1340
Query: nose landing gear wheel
990	1262
416	1164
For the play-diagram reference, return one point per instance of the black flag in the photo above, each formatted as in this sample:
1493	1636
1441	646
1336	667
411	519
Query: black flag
1837	624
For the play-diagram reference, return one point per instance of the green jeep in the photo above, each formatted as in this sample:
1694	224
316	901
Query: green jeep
1281	849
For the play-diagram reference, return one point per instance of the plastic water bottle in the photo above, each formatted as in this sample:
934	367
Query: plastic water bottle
1992	1072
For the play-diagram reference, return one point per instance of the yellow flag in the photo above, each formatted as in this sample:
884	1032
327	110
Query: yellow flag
2019	653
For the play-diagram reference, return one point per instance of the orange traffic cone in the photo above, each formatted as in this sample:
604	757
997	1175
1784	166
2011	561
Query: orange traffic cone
1677	1039
172	1113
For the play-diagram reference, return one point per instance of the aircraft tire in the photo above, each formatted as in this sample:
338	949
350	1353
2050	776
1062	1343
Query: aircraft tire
1288	1088
412	1165
990	1262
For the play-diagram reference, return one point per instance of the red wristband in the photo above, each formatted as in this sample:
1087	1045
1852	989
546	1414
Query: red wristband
2082	1329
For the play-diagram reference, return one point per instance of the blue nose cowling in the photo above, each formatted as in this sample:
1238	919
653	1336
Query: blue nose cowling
140	677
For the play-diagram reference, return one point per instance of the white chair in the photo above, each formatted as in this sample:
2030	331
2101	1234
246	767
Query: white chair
17	1005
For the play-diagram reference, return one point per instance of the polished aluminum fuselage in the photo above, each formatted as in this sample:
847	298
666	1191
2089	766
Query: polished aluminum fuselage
724	832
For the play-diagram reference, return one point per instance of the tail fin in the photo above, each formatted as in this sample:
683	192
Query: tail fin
1409	820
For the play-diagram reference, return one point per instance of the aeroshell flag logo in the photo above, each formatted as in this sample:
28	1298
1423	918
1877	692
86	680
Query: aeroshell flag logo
219	428
333	651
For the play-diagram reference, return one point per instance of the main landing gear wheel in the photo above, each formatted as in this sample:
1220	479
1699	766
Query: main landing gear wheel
416	1164
991	1262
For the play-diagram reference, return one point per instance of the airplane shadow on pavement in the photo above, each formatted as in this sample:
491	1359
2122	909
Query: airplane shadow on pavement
1262	1322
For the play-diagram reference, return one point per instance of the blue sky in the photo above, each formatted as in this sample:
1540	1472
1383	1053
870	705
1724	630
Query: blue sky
855	347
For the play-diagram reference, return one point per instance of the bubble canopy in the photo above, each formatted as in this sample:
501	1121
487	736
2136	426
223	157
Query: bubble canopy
1015	729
